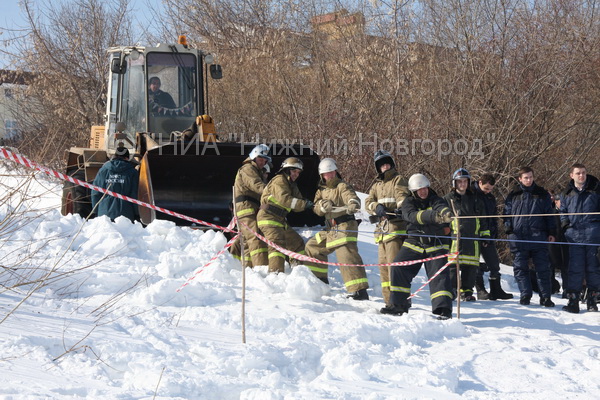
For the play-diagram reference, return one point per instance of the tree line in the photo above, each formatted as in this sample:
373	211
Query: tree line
514	81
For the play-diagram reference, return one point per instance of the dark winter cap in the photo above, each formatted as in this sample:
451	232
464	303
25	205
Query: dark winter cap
122	152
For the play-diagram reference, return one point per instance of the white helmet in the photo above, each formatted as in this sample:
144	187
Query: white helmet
327	165
418	181
293	163
261	150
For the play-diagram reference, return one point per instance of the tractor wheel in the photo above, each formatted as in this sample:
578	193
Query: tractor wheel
76	199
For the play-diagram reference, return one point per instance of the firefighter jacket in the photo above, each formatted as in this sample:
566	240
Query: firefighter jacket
342	226
522	201
248	188
420	214
390	189
119	176
280	196
469	204
491	208
581	228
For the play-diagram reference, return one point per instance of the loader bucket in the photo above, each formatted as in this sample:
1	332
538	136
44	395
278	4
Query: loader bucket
196	179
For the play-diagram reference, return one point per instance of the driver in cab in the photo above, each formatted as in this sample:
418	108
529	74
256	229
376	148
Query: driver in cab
156	97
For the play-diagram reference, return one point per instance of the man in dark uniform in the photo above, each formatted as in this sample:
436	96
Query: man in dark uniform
427	215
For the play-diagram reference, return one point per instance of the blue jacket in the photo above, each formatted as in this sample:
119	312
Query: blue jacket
581	228
122	177
491	208
529	200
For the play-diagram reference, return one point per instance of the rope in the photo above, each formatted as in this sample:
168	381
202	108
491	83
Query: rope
4	153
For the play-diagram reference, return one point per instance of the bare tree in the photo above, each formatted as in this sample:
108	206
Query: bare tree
65	51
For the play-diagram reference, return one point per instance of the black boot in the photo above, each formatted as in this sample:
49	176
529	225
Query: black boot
525	300
443	313
360	295
546	302
573	305
467	295
592	301
496	292
482	294
393	309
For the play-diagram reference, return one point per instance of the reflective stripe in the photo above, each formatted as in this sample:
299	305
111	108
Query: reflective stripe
387	200
436	248
257	251
274	201
319	238
419	217
413	247
399	289
356	282
441	293
237	257
465	257
294	202
354	201
268	222
245	211
337	242
276	254
317	269
389	236
385	284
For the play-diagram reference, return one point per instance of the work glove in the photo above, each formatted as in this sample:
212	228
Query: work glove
445	218
353	208
326	206
309	205
398	212
381	212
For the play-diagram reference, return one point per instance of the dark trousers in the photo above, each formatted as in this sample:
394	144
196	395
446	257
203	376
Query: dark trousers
583	263
402	276
490	257
522	252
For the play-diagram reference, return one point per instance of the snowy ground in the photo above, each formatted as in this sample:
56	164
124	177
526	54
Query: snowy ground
89	310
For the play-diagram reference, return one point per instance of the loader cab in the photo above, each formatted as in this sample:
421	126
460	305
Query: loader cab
134	107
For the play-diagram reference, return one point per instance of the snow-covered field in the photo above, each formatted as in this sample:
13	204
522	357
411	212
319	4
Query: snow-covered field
89	310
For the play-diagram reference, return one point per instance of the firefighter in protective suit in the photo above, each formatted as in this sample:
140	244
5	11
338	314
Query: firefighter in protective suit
428	216
337	202
384	201
236	248
467	203
248	188
281	196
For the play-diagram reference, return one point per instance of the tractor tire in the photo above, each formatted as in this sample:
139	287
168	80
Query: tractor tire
76	199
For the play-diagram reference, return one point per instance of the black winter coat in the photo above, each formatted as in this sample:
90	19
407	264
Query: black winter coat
420	216
581	228
491	208
469	204
529	200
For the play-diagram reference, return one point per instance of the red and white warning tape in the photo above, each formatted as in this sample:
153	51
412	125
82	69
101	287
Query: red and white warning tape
30	164
430	279
302	257
4	153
